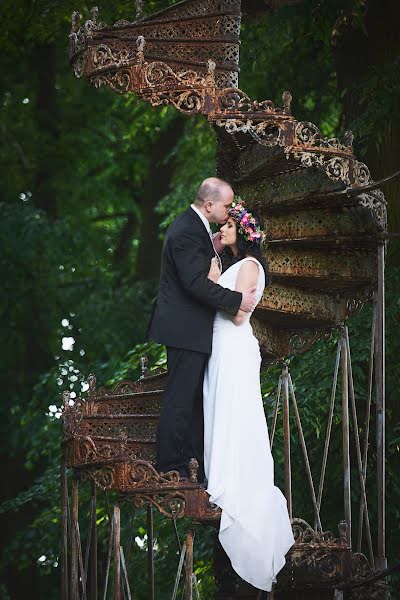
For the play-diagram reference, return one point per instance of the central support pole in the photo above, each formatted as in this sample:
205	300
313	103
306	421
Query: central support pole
189	565
74	539
286	438
346	437
117	552
381	562
150	553
93	546
64	533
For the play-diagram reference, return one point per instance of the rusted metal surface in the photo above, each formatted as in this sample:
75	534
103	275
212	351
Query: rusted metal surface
318	558
150	552
64	532
117	552
292	307
187	55
314	267
112	424
74	544
93	546
162	55
381	561
189	565
286	440
324	225
317	563
101	450
346	440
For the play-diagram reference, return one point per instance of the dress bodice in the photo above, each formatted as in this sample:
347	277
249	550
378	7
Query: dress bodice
228	280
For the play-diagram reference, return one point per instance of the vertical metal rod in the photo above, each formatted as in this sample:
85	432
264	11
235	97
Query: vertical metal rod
64	533
117	552
89	541
150	554
305	454
93	554
195	587
381	562
74	540
346	438
125	574
178	541
329	426
358	449
110	547
189	565
179	571
81	566
110	519
278	396
367	425
363	493
286	439
131	533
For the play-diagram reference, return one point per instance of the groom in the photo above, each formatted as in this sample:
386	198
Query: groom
183	321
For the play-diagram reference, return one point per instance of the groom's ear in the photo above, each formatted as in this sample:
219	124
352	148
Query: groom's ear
208	205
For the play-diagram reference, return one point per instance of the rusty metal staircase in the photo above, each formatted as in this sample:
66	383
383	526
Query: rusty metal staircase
326	234
109	442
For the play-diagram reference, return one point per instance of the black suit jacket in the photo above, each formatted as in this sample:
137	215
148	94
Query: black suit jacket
187	300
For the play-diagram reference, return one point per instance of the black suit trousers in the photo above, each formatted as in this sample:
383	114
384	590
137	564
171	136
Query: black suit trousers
180	434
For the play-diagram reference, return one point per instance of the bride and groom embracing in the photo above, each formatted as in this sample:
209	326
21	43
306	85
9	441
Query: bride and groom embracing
212	407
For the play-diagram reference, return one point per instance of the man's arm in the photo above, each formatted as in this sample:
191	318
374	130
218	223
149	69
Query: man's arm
190	261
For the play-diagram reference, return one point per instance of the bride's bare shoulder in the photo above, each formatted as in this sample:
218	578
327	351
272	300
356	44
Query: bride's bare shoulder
248	273
249	265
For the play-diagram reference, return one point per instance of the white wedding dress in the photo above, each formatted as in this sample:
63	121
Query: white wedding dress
255	529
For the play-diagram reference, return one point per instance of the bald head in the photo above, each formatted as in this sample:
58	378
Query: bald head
211	189
214	198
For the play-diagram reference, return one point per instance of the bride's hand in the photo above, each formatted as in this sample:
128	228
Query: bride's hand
214	272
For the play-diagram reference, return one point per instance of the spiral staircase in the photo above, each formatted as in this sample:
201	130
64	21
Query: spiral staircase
326	224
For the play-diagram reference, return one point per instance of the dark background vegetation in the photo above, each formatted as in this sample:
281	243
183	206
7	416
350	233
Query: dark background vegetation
89	182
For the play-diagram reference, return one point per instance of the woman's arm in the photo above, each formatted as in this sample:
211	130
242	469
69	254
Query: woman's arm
247	277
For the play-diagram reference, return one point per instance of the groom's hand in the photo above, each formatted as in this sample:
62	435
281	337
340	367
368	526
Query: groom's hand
248	300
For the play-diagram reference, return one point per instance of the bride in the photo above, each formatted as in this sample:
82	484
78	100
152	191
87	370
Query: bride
255	529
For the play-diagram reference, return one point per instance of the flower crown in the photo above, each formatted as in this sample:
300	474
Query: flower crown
247	225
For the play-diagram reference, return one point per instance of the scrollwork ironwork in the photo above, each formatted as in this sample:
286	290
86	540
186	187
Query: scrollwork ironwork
103	477
141	473
171	505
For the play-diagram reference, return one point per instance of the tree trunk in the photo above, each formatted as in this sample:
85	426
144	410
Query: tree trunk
44	194
358	49
156	185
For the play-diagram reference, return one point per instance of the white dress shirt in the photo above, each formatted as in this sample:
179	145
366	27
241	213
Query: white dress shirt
208	228
202	217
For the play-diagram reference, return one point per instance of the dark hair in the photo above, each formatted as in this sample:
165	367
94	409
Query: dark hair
246	248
